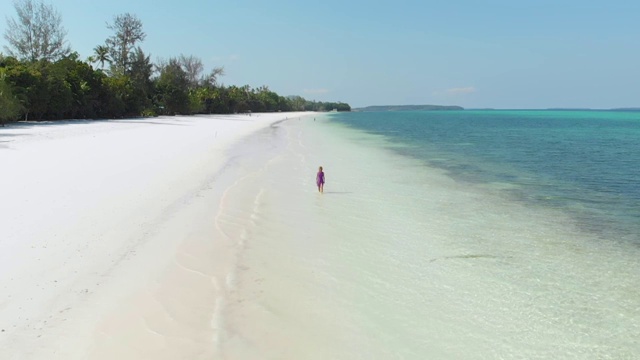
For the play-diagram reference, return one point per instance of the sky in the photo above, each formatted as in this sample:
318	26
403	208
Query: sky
476	54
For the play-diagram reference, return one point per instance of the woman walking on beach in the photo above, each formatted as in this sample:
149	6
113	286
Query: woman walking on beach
320	180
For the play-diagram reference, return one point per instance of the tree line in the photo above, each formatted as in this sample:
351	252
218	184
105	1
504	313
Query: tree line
41	78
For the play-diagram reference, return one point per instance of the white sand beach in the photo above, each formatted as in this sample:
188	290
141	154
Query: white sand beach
109	247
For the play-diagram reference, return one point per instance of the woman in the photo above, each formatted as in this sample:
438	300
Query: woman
320	180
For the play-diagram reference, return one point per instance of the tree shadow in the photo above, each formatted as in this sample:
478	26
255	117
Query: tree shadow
48	123
166	120
52	123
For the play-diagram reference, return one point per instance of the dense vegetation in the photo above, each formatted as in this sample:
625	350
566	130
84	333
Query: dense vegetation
43	79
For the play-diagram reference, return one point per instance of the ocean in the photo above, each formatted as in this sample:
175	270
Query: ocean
440	235
582	162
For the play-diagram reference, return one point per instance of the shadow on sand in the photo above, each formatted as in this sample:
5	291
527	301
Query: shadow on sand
168	120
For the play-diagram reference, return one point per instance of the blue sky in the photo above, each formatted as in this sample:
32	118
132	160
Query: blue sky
493	53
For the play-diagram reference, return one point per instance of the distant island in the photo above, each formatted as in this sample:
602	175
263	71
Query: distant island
634	109
407	107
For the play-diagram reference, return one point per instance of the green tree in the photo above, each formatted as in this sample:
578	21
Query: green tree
101	55
172	89
118	92
217	100
128	32
37	33
268	99
85	85
9	104
297	103
193	68
238	98
140	74
211	79
29	86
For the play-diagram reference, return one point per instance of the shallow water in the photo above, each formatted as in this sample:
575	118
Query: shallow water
582	162
401	260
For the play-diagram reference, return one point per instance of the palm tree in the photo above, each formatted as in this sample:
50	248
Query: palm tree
101	55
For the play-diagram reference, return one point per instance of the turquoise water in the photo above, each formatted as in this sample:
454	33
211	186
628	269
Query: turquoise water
582	162
440	235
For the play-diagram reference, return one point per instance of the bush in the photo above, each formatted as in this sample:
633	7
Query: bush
149	113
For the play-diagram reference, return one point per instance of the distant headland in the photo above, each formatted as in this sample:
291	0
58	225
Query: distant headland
407	107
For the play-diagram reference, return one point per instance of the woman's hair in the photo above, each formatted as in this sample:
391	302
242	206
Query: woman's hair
320	168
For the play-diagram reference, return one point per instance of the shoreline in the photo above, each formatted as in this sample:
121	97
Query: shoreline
108	237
